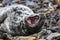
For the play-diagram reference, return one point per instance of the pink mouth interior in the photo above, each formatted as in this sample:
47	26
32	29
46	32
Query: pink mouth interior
32	20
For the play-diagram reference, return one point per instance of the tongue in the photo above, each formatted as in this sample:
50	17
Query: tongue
31	20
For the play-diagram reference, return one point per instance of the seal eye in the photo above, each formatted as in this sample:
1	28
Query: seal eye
19	12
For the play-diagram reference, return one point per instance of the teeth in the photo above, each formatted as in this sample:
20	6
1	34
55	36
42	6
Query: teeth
29	21
32	25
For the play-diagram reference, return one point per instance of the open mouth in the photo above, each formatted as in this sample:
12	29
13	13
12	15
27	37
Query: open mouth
33	21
